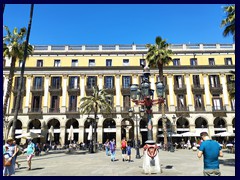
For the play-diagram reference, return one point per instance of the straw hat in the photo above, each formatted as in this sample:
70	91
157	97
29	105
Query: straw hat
9	139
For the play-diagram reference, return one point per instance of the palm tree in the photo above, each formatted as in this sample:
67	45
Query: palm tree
95	103
27	49
158	55
12	48
229	21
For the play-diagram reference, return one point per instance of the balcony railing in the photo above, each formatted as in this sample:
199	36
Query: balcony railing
218	108
34	110
55	90
19	111
181	108
198	88
133	47
74	90
125	90
180	89
199	108
54	110
217	89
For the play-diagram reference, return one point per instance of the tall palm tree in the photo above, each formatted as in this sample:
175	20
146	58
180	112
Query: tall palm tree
229	21
27	49
12	48
95	103
158	55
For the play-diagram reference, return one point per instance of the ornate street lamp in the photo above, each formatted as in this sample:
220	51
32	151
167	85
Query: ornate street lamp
141	96
131	114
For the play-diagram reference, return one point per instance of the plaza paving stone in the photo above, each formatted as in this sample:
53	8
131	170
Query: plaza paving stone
179	163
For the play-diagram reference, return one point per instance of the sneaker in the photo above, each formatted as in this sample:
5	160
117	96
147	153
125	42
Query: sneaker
123	159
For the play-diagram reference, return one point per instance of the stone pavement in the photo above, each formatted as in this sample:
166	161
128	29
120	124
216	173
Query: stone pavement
179	163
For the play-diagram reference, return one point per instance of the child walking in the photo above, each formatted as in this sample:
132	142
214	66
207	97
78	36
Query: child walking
129	151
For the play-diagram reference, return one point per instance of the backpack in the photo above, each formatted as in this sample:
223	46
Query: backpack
124	144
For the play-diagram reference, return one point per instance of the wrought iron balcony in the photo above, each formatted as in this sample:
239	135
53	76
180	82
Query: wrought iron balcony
15	90
54	110
180	89
73	90
39	90
110	90
55	90
35	110
217	89
19	111
199	108
89	90
198	89
125	90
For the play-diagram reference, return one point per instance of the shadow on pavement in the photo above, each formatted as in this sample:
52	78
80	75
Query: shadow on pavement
227	162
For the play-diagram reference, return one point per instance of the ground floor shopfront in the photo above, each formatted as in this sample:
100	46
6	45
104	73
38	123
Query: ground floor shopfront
119	127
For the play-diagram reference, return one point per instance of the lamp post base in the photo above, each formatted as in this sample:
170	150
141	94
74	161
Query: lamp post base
137	153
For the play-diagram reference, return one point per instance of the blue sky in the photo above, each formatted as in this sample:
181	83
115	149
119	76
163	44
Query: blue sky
72	24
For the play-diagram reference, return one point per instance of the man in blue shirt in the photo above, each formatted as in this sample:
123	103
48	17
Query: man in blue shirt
210	150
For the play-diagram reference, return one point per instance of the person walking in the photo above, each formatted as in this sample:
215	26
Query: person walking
112	146
106	146
18	152
128	149
10	154
30	153
210	150
123	148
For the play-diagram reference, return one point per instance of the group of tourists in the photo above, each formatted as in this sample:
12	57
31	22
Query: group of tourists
110	148
10	152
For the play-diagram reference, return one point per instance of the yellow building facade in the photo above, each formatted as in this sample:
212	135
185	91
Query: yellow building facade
57	77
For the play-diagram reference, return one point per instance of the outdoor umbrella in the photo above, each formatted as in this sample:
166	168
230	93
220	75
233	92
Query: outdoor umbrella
189	134
29	135
70	134
90	132
51	135
224	134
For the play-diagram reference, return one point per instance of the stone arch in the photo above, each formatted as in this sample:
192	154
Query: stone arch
75	125
56	126
127	128
201	122
219	122
109	129
182	122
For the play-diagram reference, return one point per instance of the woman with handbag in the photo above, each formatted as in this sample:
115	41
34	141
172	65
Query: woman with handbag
9	155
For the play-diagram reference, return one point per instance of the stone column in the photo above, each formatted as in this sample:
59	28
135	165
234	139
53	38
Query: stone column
82	86
81	134
171	93
28	94
118	136
46	91
229	127
64	94
62	135
210	130
100	81
225	92
192	128
100	134
118	93
189	93
207	92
